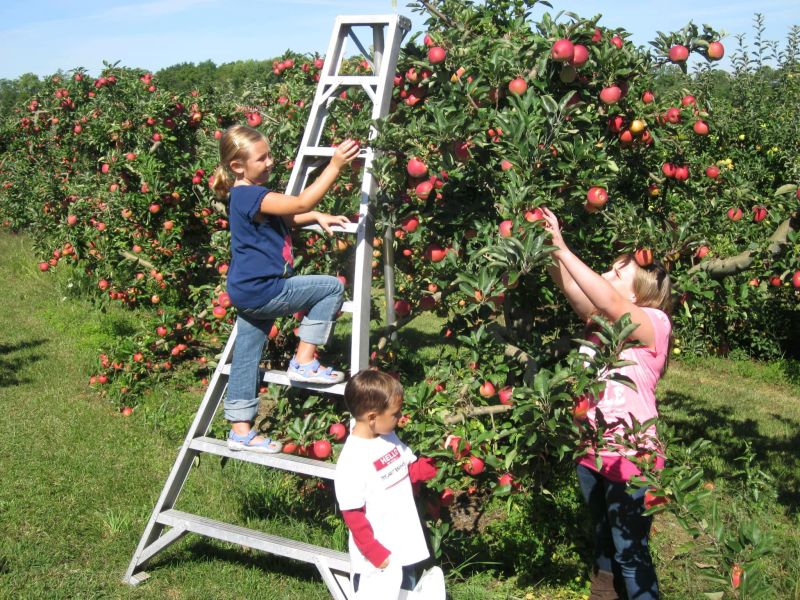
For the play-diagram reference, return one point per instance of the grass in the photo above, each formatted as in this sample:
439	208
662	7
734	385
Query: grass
80	480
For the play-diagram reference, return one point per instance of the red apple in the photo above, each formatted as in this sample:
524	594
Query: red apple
253	119
616	123
517	86
103	284
644	257
447	497
44	266
701	252
506	228
338	431
321	449
579	56
563	50
759	213
776	281
435	253
416	168
423	190
597	197
715	50
126	411
402	308
410	224
474	465
219	312
681	172
610	95
712	171
505	479
581	408
616	40
687	100
436	55
505	165
651	500
532	216
735	214
678	53
796	280
648	97
487	389
72	220
673	115
460	449
700	127
505	395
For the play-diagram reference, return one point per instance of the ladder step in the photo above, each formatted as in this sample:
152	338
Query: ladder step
346	228
330	151
348	307
273	544
371	20
349	80
281	378
285	462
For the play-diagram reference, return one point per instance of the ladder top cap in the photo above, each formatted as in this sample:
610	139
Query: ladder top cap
405	22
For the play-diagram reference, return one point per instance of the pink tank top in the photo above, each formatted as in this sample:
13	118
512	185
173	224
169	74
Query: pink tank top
619	403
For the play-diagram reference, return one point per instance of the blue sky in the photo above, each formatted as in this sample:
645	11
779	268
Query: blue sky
41	36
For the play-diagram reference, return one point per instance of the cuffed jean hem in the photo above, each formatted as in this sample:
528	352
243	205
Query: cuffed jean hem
315	332
241	410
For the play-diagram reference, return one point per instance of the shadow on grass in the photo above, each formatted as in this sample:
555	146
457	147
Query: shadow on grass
10	365
203	550
729	434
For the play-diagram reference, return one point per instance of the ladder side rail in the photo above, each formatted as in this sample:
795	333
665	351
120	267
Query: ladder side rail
319	110
183	462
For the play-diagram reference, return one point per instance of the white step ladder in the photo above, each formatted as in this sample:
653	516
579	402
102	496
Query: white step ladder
167	525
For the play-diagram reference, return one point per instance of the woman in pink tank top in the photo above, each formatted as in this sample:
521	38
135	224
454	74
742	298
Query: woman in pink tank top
621	530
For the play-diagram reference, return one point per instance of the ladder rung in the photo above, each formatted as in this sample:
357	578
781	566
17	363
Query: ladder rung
349	80
284	462
348	307
280	378
273	544
348	228
330	150
368	19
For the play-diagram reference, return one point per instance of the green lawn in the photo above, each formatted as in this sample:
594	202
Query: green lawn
79	480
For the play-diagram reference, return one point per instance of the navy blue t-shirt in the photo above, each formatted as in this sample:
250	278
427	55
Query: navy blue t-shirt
261	252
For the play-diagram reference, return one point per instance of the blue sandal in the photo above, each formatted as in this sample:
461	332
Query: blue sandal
313	373
242	442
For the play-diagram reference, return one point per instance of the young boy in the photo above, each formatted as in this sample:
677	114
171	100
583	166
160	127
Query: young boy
373	482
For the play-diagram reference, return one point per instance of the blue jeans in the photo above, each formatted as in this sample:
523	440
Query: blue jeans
320	295
621	533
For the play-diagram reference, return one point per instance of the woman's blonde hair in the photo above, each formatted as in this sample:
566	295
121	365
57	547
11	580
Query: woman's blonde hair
652	285
234	144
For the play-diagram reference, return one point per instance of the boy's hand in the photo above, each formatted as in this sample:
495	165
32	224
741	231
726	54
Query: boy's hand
345	153
326	221
385	563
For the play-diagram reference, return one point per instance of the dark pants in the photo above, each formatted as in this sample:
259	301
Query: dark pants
409	578
621	533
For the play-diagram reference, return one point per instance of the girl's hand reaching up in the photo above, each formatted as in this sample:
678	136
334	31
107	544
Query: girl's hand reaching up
345	153
326	221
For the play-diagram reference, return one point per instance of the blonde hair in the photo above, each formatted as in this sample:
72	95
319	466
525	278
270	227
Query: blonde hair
652	285
234	144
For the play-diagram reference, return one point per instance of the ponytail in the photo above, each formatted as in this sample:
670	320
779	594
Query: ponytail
222	182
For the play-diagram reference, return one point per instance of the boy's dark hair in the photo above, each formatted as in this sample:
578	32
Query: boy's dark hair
370	391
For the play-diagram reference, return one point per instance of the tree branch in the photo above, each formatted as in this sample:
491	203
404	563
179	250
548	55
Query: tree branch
437	13
477	411
134	258
723	267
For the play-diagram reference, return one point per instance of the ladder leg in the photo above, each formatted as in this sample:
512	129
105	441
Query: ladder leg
338	583
180	470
